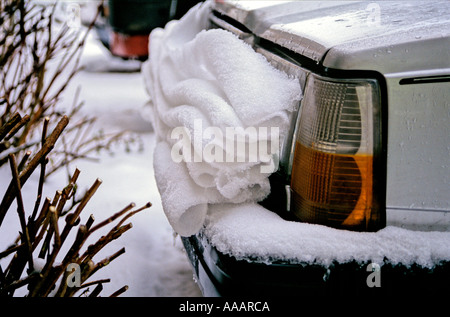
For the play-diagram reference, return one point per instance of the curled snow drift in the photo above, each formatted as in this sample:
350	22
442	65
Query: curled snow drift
203	82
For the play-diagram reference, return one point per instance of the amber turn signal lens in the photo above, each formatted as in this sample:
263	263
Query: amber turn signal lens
332	189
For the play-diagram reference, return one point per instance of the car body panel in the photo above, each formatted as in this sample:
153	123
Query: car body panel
418	151
376	36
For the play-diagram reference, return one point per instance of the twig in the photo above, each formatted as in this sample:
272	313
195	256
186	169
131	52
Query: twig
146	206
119	291
114	233
42	174
10	250
23	161
17	127
106	280
28	170
107	260
93	249
97	290
50	274
6	128
54	223
113	217
45	246
90	221
79	209
21	210
17	284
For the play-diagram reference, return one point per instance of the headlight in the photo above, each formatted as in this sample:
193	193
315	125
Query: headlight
338	136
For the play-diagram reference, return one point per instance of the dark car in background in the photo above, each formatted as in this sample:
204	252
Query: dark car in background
124	26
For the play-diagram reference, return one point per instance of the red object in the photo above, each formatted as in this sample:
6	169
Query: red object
129	46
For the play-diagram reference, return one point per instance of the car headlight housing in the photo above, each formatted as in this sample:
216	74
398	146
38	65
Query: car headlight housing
337	144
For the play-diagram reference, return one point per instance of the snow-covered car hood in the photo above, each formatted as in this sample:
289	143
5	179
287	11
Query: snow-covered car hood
387	36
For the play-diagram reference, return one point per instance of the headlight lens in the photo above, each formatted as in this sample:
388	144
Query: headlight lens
332	178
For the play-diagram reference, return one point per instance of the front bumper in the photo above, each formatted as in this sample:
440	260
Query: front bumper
219	274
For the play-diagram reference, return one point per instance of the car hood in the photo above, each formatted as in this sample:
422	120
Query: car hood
387	36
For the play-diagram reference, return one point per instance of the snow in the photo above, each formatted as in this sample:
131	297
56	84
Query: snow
204	84
251	231
154	263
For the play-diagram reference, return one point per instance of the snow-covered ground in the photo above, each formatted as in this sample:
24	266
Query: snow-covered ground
154	263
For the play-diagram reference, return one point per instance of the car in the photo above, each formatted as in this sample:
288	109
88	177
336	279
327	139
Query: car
123	27
368	147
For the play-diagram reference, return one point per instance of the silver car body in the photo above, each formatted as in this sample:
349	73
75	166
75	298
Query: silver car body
408	44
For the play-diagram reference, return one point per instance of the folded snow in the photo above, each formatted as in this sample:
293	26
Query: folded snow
208	82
